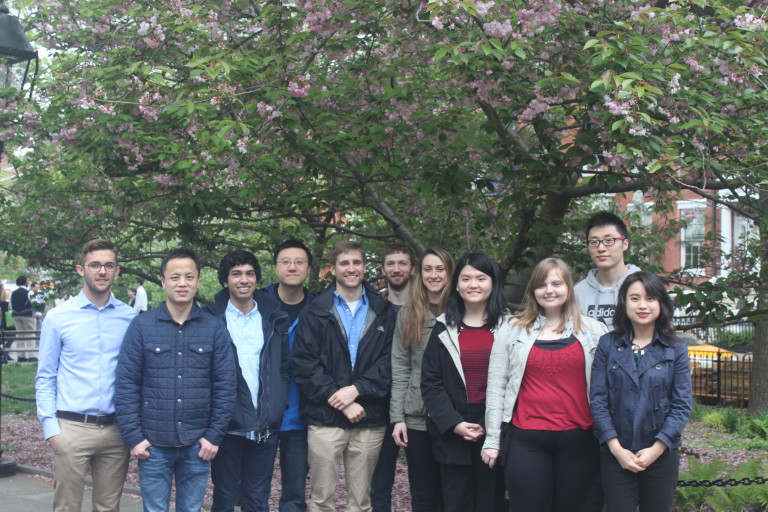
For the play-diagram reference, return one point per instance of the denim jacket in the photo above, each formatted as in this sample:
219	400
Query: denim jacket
639	404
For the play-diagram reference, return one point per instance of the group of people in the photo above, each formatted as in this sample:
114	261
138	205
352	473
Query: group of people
494	411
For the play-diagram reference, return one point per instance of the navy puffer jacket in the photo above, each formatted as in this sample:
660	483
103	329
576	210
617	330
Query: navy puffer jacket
175	383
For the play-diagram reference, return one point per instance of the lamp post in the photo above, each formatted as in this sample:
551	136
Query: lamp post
15	51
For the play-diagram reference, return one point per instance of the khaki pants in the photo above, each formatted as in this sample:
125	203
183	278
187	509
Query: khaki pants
24	323
79	447
360	448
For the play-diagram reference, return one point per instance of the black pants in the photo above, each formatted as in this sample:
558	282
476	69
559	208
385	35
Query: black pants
472	487
652	490
423	473
549	471
384	475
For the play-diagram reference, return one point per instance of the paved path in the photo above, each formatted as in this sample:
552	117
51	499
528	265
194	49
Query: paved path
26	492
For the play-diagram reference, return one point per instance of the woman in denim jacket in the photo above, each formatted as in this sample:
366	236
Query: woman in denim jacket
641	399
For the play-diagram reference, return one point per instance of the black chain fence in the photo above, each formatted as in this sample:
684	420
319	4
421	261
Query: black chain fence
723	482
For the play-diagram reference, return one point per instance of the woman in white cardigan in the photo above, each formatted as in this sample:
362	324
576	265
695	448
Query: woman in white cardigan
537	411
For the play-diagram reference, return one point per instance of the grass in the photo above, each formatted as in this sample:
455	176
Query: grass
18	380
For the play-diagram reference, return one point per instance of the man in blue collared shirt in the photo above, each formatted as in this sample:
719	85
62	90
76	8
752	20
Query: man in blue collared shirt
75	384
259	331
341	363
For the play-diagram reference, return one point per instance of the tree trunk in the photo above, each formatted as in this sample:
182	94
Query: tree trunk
758	380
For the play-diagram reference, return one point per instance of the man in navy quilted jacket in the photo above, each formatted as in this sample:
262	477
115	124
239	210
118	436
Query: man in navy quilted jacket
175	390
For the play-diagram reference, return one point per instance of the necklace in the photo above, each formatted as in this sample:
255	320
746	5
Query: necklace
638	350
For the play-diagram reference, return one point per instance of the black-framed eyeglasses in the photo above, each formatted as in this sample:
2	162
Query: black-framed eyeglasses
608	242
96	267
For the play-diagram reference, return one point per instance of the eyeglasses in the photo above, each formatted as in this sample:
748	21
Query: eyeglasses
286	262
608	242
96	267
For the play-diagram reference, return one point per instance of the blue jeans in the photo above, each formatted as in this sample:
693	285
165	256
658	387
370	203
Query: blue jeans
157	472
293	470
243	467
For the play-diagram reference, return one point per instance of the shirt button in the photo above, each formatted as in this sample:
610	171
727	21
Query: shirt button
179	331
179	423
178	376
178	400
658	367
621	349
200	349
179	353
157	349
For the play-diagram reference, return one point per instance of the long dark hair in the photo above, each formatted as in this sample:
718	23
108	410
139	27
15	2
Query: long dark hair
655	288
494	308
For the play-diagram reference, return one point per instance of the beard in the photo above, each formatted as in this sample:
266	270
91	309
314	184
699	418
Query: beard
400	285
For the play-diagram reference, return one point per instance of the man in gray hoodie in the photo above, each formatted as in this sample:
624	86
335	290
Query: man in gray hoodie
607	239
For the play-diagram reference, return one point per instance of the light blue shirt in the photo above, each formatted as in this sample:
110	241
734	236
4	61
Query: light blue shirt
79	345
353	323
248	336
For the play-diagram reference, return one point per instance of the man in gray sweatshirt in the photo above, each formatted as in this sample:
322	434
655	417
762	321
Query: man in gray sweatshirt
607	239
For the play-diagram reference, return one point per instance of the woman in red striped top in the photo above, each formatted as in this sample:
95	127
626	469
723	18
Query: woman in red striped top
454	373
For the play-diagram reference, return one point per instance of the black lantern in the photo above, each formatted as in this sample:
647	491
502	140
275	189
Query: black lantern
14	50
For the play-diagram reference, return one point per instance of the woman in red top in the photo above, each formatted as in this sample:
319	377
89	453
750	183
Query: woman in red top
538	415
454	373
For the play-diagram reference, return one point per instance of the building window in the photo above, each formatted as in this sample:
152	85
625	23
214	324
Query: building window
692	237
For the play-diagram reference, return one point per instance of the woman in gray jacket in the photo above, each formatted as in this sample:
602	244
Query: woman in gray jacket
537	408
406	408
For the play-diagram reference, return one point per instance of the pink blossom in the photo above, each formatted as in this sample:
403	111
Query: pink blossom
298	91
496	29
535	107
674	84
483	8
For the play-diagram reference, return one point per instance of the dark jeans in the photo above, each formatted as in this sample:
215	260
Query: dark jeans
549	471
652	490
293	470
423	473
384	474
156	475
243	467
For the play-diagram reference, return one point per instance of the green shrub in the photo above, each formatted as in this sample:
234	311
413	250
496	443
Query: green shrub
733	419
713	418
756	427
726	338
698	411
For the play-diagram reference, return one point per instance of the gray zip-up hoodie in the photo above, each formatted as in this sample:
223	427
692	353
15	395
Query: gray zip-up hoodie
599	302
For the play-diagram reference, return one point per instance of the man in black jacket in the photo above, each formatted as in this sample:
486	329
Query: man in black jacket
341	363
259	331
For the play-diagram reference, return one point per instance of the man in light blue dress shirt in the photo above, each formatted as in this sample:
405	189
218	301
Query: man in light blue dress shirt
258	328
75	384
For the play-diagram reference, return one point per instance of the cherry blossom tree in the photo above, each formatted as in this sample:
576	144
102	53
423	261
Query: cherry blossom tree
472	125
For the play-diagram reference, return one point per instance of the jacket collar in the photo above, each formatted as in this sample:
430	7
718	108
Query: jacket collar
165	315
271	291
266	304
325	300
624	340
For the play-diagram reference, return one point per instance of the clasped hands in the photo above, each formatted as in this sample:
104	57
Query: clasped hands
344	401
